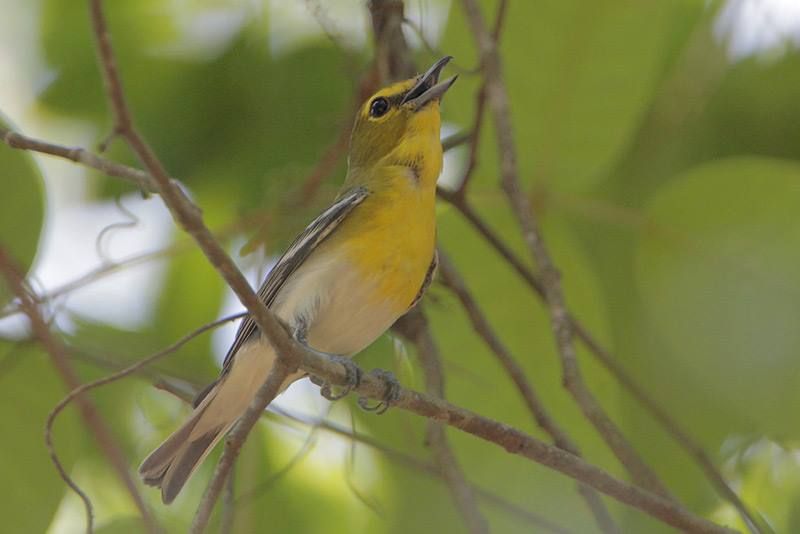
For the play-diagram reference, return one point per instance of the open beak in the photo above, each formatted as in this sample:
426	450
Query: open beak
427	87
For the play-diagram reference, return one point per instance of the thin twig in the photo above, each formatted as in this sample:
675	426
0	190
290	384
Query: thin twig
79	155
273	478
91	416
452	279
497	99
228	505
514	441
393	58
280	416
430	469
414	327
454	140
596	349
235	440
79	391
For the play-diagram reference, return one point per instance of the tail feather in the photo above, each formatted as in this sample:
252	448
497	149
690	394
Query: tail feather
186	461
173	462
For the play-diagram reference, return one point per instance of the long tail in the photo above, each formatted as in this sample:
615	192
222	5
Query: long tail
172	463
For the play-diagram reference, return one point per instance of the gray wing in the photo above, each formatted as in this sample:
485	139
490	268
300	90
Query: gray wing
298	251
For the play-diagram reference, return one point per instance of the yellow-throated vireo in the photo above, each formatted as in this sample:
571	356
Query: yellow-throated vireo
353	271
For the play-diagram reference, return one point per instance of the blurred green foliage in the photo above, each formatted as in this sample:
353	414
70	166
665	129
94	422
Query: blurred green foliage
21	213
666	178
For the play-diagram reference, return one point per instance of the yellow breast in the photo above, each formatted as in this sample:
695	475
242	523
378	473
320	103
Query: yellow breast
390	238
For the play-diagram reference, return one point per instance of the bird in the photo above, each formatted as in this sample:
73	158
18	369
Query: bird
355	269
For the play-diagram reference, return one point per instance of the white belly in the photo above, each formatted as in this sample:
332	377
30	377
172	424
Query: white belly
337	303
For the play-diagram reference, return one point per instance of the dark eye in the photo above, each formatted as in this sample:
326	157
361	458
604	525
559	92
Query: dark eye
378	107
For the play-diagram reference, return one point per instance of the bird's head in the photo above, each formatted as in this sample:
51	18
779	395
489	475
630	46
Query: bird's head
399	126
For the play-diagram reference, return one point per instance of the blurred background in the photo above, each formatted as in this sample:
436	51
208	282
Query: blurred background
658	141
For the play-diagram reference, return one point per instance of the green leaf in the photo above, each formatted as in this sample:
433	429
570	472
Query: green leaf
21	207
717	273
580	77
29	388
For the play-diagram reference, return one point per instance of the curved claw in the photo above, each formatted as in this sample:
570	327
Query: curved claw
391	395
352	377
352	372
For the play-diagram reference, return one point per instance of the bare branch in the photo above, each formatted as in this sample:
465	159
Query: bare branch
228	505
393	58
79	391
668	423
432	470
414	327
91	416
187	393
562	329
515	442
79	155
235	440
452	279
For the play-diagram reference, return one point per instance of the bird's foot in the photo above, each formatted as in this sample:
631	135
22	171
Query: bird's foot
352	372
352	379
391	395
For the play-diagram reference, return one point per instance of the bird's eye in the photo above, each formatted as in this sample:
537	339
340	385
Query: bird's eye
379	107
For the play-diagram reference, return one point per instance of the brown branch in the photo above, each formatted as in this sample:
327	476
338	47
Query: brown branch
188	216
392	55
474	142
452	279
457	139
91	416
596	349
235	440
477	123
79	391
514	441
414	327
187	393
228	505
497	98
424	467
374	386
671	426
79	155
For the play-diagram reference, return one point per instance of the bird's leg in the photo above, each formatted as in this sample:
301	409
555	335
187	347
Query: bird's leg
391	395
352	372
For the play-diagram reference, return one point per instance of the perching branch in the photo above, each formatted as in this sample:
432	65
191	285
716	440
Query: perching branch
497	99
91	416
515	442
414	327
452	279
187	395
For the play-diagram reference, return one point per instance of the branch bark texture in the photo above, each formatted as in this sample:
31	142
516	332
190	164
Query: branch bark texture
497	98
